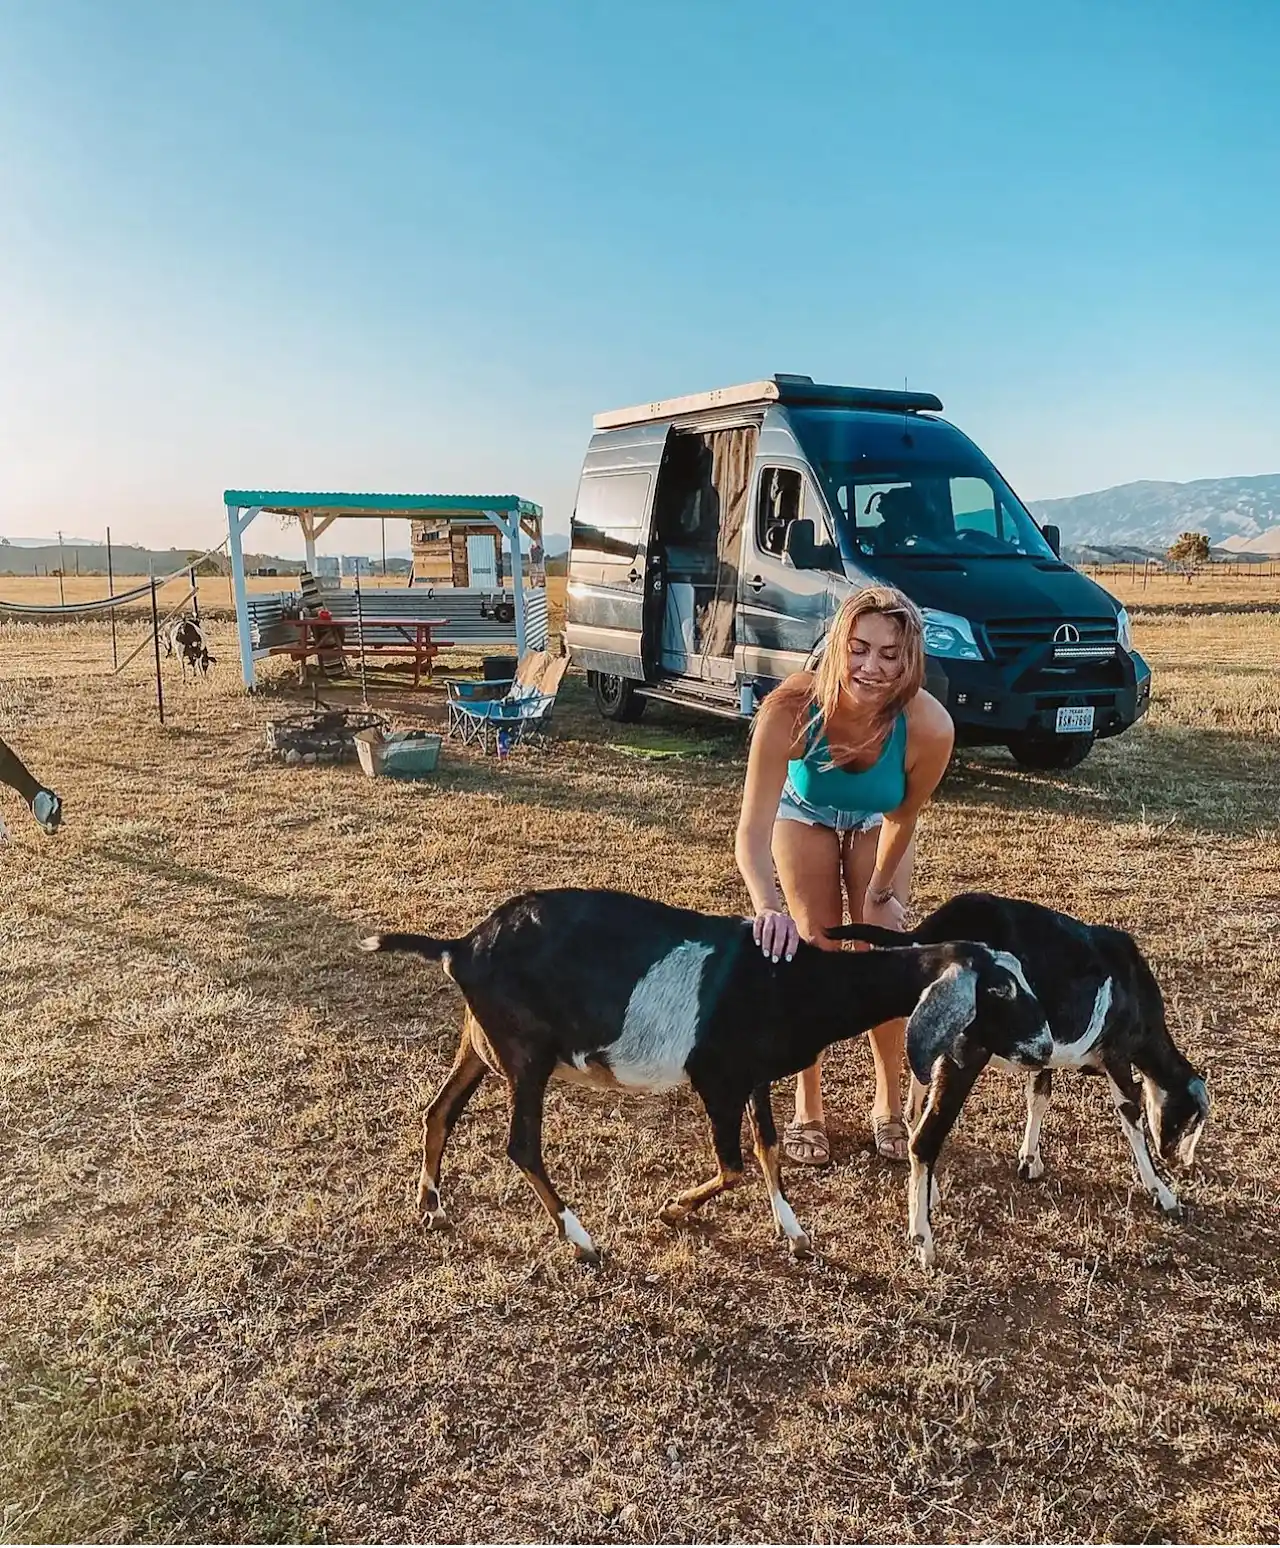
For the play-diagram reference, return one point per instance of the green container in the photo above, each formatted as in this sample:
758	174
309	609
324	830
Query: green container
399	754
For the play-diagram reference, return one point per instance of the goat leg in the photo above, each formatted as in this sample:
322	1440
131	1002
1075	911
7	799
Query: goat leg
459	1085
524	1147
764	1133
726	1135
1039	1089
951	1084
1127	1100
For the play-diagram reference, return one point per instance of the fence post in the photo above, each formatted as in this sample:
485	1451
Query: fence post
155	636
111	591
195	594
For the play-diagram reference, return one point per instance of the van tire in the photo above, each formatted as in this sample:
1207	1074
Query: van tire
1050	753
616	697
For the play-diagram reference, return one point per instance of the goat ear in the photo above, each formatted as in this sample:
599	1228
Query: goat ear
942	1013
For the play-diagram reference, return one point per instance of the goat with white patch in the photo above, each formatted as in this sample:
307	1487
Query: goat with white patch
612	990
1106	1017
185	639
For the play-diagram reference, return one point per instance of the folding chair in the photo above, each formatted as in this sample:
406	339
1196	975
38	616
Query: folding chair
523	711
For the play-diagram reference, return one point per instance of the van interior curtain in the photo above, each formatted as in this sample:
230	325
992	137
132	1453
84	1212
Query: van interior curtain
732	456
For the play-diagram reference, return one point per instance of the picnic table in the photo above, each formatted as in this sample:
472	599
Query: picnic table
412	637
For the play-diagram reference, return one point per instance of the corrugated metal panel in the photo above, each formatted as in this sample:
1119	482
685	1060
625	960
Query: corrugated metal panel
461	609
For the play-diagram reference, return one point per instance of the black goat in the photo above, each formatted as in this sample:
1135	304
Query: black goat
1106	1016
185	638
613	990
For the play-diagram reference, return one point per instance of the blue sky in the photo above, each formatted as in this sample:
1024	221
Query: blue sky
377	245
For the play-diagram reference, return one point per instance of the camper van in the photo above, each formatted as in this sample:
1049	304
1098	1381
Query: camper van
714	536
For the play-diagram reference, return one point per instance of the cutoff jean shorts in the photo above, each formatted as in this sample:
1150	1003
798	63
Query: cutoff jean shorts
794	808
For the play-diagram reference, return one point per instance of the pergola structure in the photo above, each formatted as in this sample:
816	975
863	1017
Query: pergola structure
315	513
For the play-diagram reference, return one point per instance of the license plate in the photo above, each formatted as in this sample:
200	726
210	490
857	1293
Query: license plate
1074	720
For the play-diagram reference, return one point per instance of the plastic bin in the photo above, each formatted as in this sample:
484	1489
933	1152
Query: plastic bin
399	754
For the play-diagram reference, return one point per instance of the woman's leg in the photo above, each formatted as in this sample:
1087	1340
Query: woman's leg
889	1040
808	862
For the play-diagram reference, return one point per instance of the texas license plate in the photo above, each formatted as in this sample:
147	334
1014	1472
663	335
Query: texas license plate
1074	720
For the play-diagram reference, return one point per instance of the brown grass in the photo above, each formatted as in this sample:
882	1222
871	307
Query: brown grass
222	1323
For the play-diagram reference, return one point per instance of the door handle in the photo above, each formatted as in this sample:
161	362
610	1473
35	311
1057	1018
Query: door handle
634	575
756	583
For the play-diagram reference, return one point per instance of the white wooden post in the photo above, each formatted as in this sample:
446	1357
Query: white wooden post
237	521
309	538
517	581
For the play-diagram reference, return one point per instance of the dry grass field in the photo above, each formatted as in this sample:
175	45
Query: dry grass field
221	1321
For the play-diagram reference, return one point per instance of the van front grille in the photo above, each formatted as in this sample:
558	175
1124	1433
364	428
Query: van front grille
1074	639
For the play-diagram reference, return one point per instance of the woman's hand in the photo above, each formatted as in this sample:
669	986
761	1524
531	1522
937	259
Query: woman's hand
887	912
775	934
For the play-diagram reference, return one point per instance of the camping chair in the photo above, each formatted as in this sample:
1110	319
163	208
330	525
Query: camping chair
524	710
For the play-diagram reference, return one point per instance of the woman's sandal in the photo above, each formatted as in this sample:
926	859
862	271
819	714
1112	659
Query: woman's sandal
806	1144
891	1137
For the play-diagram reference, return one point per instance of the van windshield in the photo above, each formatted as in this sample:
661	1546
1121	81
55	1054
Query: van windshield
920	509
925	493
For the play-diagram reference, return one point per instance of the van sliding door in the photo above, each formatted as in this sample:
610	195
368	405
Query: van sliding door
608	566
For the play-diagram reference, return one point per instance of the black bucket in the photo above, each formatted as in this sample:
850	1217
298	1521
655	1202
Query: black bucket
494	667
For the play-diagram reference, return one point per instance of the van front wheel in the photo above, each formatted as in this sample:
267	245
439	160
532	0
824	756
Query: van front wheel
616	697
1050	752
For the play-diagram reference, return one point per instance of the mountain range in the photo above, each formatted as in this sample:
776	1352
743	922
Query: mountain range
1150	515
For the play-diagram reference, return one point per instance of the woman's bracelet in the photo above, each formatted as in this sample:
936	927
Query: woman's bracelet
878	895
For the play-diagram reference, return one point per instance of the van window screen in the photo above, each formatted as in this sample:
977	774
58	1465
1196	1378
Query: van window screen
611	514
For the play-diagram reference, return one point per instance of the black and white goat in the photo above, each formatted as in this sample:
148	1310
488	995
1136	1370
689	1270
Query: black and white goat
185	639
1106	1016
612	990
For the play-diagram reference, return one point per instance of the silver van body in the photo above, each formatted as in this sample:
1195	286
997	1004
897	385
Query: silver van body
714	537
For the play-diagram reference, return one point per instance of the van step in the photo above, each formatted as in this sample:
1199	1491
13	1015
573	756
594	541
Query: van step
710	698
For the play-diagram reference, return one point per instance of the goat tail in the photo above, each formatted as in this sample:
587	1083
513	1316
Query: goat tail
875	935
427	946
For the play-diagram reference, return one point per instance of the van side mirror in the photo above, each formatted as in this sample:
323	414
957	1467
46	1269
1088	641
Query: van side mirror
1053	536
802	550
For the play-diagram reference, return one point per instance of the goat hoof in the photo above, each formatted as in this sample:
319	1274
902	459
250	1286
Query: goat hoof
800	1246
1030	1169
589	1257
673	1213
435	1220
1174	1211
926	1256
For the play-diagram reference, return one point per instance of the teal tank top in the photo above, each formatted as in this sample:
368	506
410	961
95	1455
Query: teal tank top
881	788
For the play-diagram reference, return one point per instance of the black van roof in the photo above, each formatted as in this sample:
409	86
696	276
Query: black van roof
779	388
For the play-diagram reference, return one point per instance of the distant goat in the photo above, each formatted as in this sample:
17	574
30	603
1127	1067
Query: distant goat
611	990
185	639
1106	1016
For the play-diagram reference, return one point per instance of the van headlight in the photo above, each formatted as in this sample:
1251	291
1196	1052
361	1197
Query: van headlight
949	635
1124	631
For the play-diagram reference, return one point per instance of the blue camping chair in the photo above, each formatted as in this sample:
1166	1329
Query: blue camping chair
523	710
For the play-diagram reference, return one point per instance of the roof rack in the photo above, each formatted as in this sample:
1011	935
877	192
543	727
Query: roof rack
779	388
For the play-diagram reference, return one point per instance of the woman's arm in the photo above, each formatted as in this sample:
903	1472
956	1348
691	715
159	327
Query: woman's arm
930	738
771	748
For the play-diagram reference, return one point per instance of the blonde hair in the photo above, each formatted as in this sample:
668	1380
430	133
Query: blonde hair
813	704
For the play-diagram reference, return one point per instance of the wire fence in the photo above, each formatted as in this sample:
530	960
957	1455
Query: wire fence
1154	569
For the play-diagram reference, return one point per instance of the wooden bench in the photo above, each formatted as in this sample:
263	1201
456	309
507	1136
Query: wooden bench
411	637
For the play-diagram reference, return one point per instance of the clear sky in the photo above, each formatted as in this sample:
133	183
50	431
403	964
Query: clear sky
407	245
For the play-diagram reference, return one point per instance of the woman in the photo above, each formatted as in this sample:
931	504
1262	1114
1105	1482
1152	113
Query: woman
842	761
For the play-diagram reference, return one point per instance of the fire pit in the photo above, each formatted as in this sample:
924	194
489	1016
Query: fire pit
321	736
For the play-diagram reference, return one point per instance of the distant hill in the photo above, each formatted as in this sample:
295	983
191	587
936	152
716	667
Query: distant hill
126	559
1150	515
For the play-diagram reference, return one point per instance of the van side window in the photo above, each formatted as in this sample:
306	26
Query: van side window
611	513
777	506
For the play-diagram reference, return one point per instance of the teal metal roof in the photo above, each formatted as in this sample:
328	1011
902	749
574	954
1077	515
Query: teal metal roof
287	502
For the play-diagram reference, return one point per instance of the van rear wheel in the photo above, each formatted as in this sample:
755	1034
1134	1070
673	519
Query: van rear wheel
1037	751
616	697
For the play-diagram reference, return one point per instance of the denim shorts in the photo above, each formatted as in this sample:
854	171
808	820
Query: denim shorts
794	808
